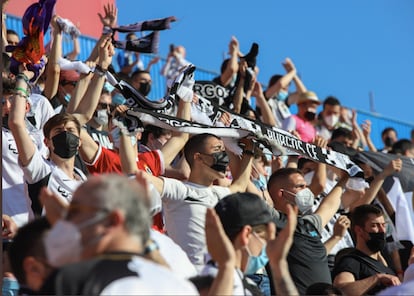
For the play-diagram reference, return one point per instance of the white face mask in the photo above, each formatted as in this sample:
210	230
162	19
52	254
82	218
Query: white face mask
101	117
304	200
63	243
331	120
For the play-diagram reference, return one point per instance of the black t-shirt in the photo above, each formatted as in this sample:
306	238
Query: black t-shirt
361	266
307	258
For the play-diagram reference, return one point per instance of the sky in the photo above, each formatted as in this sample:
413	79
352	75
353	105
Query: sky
348	49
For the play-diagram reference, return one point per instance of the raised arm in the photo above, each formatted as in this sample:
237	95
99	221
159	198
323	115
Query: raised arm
282	83
331	202
394	166
288	65
267	114
109	20
233	63
277	250
339	230
178	140
366	131
242	168
52	67
88	104
19	106
222	252
76	50
318	182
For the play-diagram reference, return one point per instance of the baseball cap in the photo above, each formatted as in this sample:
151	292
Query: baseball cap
69	76
240	209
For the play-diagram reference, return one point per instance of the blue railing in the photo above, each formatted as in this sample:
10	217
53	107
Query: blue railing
87	43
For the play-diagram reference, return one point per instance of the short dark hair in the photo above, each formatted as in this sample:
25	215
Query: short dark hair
332	101
138	72
11	32
386	130
360	214
282	175
402	146
9	85
27	242
196	144
341	132
155	130
274	79
58	119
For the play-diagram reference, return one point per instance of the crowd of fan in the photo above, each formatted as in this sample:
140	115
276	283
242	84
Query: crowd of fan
91	207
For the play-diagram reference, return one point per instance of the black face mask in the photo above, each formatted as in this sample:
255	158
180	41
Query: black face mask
388	141
66	144
221	161
376	241
310	115
144	88
5	120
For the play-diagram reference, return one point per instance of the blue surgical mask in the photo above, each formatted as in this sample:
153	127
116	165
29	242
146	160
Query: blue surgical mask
254	263
118	99
67	97
282	95
10	287
260	183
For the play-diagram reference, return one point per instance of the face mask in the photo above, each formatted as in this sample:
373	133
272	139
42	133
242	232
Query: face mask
10	287
67	97
101	117
63	243
254	263
118	99
310	115
66	144
308	177
260	183
116	138
144	88
282	95
221	161
376	242
304	200
388	141
331	120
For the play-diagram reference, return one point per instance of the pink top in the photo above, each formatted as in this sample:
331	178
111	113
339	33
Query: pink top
305	129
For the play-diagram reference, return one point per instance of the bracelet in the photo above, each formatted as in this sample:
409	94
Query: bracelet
106	30
23	90
100	71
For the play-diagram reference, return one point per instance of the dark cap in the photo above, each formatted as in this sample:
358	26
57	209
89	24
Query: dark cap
240	209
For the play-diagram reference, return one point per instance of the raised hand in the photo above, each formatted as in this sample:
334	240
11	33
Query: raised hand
110	17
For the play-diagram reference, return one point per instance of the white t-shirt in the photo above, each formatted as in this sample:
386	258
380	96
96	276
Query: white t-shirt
238	288
59	183
15	199
152	279
15	202
176	258
185	206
